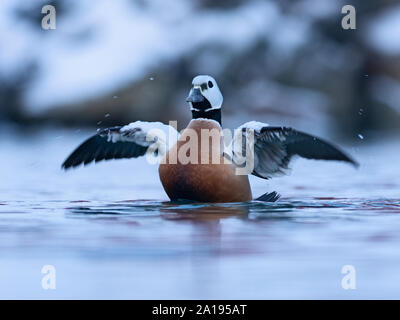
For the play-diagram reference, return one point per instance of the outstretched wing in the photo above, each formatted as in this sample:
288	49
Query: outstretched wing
274	147
130	141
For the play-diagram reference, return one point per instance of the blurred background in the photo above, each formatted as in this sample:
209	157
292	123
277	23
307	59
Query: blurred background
109	228
281	62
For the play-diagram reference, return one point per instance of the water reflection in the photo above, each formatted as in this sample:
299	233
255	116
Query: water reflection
203	211
186	210
198	244
182	210
156	230
292	248
320	210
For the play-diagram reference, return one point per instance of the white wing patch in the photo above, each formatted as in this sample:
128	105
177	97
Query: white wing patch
136	139
272	148
146	133
255	125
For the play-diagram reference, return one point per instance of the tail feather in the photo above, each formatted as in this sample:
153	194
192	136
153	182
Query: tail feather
269	197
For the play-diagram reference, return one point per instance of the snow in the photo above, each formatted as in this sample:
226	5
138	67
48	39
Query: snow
318	9
18	39
293	33
99	48
383	32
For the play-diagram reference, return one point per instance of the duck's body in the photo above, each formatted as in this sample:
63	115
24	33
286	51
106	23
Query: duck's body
196	166
207	181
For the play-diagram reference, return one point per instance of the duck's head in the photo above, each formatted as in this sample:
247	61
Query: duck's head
205	98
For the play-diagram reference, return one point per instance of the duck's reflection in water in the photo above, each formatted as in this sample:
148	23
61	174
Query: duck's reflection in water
198	212
207	229
212	238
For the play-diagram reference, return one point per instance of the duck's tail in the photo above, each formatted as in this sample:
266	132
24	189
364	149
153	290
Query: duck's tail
269	197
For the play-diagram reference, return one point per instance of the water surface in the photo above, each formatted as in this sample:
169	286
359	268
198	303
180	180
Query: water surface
110	231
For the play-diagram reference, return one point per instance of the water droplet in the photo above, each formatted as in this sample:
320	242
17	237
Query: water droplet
115	97
106	115
361	136
100	122
360	112
151	78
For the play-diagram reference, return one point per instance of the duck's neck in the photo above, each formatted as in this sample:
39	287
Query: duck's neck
212	114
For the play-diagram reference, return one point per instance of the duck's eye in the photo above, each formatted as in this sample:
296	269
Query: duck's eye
210	84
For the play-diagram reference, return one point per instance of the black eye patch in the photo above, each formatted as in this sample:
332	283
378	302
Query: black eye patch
203	86
210	84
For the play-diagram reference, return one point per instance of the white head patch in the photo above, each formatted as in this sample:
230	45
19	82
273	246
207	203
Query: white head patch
209	89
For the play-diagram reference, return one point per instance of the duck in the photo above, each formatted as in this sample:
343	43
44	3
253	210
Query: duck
203	162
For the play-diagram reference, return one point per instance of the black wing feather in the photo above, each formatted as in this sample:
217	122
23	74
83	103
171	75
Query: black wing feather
99	147
274	147
308	146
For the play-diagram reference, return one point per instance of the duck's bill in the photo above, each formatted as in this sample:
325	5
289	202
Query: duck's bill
195	96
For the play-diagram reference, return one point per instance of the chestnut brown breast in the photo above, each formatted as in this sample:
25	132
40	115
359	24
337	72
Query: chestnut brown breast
194	167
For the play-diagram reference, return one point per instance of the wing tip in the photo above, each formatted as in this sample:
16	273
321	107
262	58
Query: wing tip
350	160
66	166
70	163
355	163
